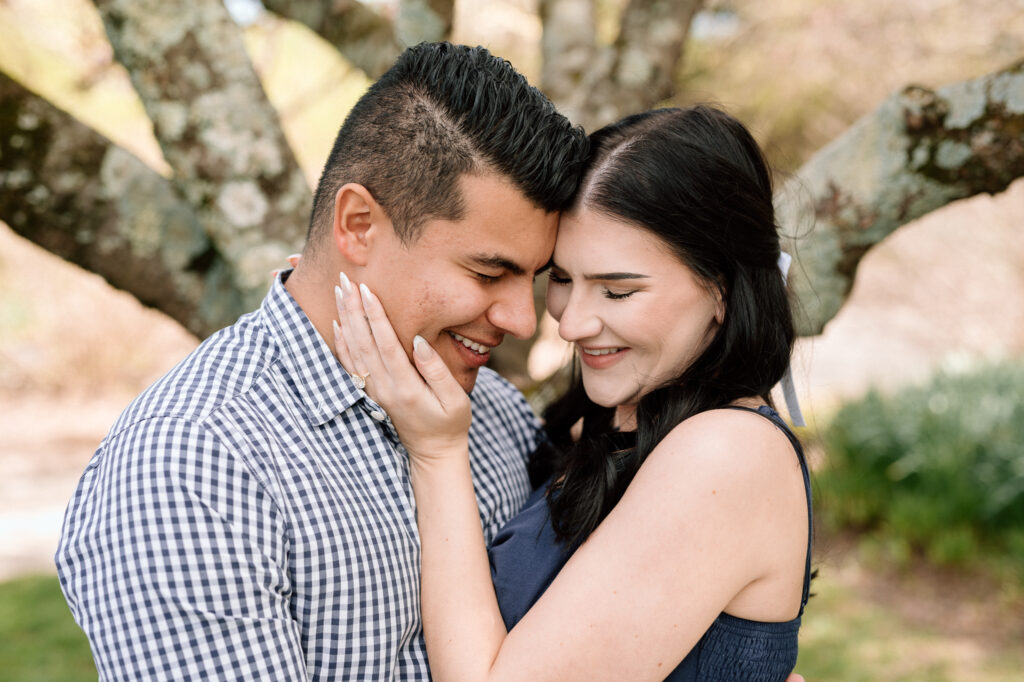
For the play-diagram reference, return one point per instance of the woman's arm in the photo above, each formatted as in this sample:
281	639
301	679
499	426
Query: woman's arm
696	528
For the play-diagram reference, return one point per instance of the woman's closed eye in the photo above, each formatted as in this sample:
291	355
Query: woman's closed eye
562	279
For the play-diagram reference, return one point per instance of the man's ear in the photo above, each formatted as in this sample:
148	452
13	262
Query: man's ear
358	219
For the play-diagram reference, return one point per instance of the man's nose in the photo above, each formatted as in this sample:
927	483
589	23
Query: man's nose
515	312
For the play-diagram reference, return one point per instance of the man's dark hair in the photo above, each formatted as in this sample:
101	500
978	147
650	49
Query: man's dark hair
441	111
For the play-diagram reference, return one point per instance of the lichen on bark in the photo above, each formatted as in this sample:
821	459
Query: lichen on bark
73	192
920	150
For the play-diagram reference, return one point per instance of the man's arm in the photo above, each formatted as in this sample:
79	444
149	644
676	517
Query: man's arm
173	558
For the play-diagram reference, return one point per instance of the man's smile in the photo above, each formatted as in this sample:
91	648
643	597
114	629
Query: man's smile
475	346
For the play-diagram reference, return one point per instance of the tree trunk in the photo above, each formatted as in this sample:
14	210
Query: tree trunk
367	39
595	85
199	246
83	198
217	130
917	152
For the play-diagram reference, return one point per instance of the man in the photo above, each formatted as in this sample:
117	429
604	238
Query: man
249	516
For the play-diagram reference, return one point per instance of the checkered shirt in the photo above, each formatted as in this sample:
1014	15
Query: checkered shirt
250	516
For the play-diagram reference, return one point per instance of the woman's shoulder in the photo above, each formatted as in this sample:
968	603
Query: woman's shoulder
740	443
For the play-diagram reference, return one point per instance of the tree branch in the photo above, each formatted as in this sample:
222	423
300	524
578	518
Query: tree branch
367	39
76	194
364	37
918	151
569	50
217	130
595	86
424	20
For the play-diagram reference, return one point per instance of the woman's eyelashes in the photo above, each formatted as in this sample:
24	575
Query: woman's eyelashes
561	279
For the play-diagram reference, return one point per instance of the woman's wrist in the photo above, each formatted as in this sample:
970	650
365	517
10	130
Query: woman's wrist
439	461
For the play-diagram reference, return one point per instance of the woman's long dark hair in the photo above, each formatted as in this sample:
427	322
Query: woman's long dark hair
696	179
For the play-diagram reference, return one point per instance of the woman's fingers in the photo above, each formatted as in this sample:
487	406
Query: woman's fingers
390	348
427	406
355	331
340	347
438	377
434	408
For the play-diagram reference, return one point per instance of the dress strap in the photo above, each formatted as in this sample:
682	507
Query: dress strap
773	416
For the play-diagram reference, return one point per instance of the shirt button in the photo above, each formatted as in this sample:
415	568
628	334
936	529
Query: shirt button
378	415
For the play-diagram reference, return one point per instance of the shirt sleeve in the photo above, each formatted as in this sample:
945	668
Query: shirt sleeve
173	559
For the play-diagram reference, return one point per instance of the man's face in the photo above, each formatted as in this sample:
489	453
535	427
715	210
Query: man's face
462	285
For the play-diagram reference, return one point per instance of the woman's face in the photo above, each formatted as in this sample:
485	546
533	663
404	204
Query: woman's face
636	315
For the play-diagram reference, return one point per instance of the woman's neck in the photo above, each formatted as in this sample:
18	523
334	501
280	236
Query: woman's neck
625	417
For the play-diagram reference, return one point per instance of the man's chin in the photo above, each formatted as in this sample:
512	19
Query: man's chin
467	378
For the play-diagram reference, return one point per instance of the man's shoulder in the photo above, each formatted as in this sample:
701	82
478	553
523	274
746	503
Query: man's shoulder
223	367
495	398
491	386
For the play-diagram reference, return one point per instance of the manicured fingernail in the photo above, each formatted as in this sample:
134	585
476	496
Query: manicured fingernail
293	256
364	292
337	332
345	284
421	348
339	297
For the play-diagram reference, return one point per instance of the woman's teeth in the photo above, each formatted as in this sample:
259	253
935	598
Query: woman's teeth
601	351
472	345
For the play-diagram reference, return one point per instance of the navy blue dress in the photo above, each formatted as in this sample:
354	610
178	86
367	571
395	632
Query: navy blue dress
525	558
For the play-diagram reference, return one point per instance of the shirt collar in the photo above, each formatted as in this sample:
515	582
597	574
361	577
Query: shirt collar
322	386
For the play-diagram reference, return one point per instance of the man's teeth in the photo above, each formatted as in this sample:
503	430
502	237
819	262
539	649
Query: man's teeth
472	345
601	351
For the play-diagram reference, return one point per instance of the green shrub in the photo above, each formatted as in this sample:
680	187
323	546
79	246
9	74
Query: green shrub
939	467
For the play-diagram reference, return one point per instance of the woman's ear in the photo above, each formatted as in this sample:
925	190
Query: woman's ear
719	305
357	220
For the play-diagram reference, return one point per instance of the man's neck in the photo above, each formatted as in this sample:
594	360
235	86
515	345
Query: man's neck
313	290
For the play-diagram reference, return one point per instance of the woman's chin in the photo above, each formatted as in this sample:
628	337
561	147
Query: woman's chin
604	398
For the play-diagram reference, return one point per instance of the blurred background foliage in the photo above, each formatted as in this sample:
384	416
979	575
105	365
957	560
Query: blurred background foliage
935	470
919	478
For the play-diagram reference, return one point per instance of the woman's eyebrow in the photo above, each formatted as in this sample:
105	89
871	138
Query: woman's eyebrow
604	276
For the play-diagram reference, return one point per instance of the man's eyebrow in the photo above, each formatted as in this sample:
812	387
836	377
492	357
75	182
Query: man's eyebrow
498	262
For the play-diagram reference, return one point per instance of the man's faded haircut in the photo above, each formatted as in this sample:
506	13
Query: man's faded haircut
441	111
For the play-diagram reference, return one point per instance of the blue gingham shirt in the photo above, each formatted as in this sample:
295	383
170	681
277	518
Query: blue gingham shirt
250	516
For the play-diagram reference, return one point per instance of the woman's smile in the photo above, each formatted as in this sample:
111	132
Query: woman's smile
600	358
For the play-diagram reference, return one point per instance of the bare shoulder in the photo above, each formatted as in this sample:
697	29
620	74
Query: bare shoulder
729	483
738	444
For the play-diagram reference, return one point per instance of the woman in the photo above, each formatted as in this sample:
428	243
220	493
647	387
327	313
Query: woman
672	537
